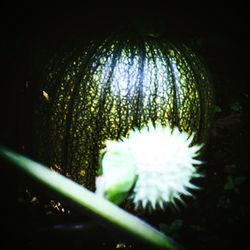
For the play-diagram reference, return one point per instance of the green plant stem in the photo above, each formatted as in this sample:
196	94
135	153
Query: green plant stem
87	200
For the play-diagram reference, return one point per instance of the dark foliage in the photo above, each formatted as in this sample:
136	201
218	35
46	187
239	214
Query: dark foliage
217	218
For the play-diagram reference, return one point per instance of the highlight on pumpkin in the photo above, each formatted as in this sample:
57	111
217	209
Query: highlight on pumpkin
154	167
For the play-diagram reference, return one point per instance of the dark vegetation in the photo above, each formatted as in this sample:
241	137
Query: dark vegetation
219	215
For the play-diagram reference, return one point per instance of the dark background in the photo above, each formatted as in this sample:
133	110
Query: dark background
31	34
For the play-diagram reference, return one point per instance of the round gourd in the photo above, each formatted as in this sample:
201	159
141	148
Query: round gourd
103	90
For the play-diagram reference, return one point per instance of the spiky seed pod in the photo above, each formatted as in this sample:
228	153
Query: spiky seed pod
164	164
163	161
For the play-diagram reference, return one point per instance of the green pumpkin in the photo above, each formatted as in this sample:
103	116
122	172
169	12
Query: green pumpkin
107	88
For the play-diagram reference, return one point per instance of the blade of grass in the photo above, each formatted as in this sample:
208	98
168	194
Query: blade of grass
87	200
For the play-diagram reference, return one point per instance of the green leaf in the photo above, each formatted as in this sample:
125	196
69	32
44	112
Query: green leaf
233	182
84	200
176	225
236	107
229	184
172	228
217	109
239	180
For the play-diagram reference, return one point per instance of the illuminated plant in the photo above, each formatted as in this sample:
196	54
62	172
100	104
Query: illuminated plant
103	90
153	166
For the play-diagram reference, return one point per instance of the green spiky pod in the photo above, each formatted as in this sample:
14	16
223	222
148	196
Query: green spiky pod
154	166
105	89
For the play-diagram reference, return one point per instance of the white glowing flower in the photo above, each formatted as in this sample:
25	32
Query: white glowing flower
161	158
164	165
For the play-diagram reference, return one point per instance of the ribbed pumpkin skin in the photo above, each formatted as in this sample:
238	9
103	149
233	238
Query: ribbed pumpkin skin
106	89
